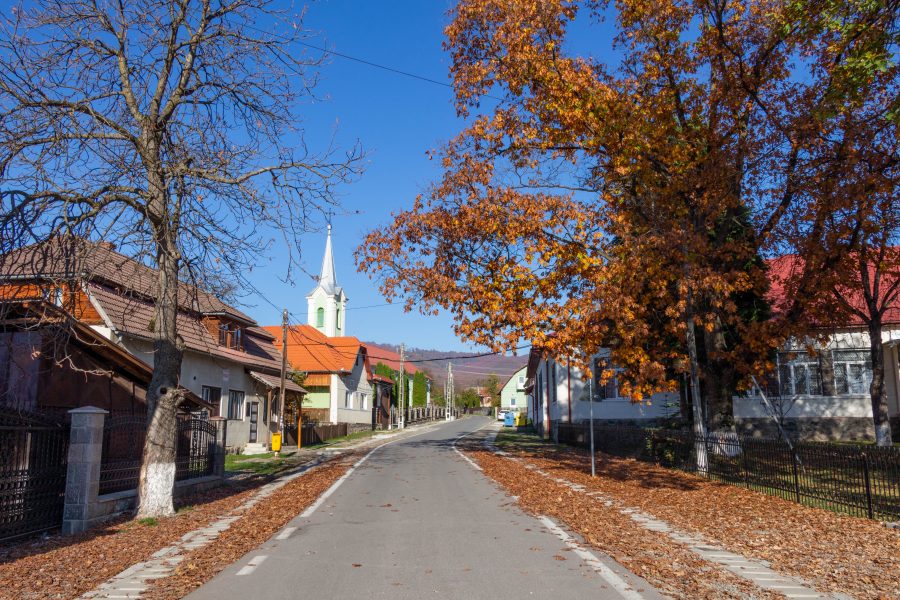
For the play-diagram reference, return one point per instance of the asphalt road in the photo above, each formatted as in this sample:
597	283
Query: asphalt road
416	520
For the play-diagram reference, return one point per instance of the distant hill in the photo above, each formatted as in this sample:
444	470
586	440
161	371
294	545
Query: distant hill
467	372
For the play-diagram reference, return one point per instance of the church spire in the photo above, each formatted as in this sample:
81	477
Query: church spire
326	279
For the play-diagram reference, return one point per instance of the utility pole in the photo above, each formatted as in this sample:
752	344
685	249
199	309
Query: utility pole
591	419
281	391
449	394
402	394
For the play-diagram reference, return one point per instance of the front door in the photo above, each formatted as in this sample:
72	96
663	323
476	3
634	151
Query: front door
254	418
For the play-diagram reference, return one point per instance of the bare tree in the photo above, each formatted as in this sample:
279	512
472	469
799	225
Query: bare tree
170	127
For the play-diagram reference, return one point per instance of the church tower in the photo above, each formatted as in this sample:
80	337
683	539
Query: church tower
327	303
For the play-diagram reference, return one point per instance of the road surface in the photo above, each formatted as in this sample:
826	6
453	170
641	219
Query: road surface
416	520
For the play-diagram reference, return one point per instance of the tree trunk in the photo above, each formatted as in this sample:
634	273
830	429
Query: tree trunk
876	389
157	479
699	426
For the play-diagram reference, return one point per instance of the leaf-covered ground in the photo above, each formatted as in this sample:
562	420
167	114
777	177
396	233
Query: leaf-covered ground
832	552
66	567
256	525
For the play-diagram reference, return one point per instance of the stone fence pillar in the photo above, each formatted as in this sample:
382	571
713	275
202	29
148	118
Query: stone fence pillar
83	473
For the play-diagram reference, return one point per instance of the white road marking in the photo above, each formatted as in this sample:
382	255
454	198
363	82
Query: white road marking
254	562
467	459
458	451
286	533
617	583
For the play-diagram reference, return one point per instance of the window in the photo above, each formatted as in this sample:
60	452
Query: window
235	404
213	396
799	374
320	317
521	385
608	390
348	400
363	401
337	319
852	371
512	401
230	336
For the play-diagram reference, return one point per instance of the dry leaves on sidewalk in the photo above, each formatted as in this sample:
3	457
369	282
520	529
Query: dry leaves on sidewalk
669	567
255	526
833	552
66	567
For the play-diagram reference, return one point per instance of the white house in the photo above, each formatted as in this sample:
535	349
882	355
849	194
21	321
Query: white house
557	393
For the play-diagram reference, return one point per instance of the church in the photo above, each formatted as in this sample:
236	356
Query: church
339	380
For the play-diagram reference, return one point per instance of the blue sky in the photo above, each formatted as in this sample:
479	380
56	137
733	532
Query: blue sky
397	120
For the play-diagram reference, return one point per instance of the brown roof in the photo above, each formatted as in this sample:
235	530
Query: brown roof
274	382
134	316
85	337
123	290
77	258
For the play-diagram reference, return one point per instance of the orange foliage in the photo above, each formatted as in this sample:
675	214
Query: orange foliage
606	204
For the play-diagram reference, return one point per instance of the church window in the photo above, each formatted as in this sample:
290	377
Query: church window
337	318
320	317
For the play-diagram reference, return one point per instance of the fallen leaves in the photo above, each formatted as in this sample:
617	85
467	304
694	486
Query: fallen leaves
833	552
669	567
66	567
255	526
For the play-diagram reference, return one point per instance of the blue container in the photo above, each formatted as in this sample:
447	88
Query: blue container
509	420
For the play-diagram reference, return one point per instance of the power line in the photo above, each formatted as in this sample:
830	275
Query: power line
364	61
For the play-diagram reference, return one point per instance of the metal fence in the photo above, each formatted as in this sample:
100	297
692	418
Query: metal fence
857	479
198	443
33	457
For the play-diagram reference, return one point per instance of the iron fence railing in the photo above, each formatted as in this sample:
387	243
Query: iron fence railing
33	461
857	479
199	442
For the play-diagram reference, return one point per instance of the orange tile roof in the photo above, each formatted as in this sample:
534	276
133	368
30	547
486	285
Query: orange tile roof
310	350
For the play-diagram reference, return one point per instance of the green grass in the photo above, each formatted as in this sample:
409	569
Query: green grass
346	438
523	440
148	521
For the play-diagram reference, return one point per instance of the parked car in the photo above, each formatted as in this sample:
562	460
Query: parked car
501	414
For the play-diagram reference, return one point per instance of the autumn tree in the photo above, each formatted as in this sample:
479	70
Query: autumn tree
624	203
170	127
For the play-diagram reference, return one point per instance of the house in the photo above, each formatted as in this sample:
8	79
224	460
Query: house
512	394
229	362
51	363
389	358
557	394
824	394
337	374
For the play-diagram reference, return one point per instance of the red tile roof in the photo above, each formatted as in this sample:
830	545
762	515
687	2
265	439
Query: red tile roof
377	354
784	268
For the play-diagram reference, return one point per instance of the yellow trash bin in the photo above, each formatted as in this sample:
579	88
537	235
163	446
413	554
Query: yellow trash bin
521	420
276	442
